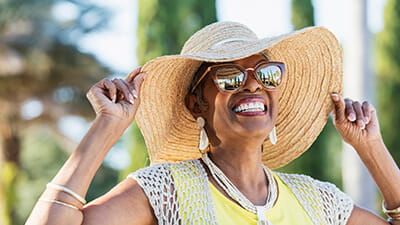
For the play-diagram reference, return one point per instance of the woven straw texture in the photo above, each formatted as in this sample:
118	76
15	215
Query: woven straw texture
314	70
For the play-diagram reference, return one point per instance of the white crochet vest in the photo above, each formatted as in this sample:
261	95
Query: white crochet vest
324	202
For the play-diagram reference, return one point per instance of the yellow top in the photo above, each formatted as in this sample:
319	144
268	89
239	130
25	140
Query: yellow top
286	211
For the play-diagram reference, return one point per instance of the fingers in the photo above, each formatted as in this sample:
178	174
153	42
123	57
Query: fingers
138	80
339	113
126	89
110	88
349	111
117	89
353	111
133	74
367	110
129	87
360	119
104	90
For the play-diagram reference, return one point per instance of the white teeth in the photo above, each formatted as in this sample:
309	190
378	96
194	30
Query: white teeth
249	107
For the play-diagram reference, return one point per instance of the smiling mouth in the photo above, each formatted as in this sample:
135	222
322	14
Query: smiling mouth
249	107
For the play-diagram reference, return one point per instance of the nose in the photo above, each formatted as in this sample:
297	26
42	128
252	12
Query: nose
251	83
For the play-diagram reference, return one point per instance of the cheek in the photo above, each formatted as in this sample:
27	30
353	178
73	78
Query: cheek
218	112
217	107
274	99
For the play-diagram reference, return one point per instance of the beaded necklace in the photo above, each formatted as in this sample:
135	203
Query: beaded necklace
224	182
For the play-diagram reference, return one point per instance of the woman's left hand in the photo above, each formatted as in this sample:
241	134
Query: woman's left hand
357	123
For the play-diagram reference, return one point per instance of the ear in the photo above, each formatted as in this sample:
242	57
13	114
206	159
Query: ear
192	104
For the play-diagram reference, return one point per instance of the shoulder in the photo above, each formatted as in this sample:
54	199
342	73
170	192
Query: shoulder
164	183
165	172
126	203
151	172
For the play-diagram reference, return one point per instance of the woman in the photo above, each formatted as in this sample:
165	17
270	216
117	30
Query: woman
219	100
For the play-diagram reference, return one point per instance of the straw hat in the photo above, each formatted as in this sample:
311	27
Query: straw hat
314	70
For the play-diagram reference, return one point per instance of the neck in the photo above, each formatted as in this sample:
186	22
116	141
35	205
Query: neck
241	163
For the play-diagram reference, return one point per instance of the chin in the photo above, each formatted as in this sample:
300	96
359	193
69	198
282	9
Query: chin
256	129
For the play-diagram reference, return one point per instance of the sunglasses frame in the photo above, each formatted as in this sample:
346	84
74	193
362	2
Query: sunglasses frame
244	71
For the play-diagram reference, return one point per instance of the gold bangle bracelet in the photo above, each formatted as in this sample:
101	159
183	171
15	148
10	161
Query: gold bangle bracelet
59	203
392	220
386	211
393	215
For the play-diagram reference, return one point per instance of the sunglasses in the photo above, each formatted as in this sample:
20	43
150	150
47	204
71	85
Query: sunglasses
231	77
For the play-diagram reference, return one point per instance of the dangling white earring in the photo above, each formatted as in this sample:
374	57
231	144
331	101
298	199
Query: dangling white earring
272	136
203	143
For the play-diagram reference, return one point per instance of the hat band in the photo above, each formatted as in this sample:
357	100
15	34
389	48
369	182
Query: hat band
228	40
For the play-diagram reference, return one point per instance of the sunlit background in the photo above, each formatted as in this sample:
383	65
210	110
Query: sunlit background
52	51
115	46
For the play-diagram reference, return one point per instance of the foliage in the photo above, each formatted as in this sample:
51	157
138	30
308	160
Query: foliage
137	150
39	14
39	60
321	160
7	191
41	159
388	74
163	27
302	14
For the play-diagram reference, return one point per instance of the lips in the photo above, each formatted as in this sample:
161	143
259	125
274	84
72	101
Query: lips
250	106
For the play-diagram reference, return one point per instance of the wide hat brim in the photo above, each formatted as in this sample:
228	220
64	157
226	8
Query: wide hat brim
313	62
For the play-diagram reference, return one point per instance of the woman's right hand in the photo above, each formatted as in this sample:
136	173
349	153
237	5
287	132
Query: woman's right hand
117	99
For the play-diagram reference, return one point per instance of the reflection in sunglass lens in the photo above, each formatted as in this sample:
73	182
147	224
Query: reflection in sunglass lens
270	75
229	78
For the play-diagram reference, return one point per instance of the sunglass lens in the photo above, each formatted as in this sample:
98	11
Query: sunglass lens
270	75
229	78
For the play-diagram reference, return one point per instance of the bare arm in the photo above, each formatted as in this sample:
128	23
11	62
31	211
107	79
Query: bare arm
115	107
358	125
124	204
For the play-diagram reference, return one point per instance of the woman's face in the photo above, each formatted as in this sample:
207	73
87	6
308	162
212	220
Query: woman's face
225	118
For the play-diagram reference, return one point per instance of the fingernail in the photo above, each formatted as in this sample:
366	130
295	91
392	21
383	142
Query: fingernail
365	120
114	98
135	95
352	117
335	97
131	98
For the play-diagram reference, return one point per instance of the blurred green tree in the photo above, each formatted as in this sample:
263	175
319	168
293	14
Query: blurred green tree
40	63
163	27
388	76
41	158
302	14
322	160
